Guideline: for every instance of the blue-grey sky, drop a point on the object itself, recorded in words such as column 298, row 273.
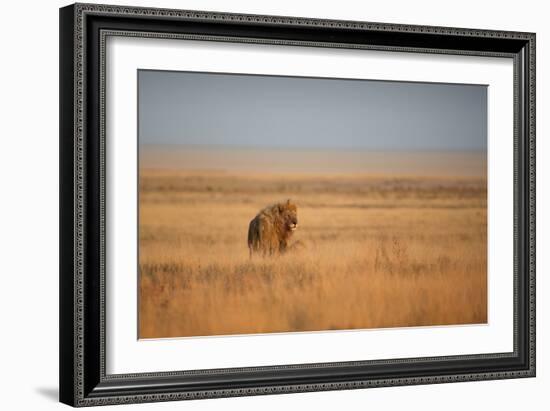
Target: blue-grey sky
column 296, row 112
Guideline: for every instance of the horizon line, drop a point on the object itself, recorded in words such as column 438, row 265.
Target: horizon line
column 313, row 148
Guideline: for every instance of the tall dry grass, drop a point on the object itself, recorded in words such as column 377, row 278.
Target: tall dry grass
column 381, row 251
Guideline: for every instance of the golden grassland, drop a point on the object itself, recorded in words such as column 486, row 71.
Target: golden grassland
column 381, row 251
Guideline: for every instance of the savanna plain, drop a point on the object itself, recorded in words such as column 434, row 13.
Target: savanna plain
column 389, row 240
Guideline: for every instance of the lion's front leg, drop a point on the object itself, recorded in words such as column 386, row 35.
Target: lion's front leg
column 283, row 246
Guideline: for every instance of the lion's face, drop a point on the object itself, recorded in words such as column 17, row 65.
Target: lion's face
column 289, row 214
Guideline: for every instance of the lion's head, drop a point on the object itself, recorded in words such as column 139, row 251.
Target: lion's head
column 289, row 215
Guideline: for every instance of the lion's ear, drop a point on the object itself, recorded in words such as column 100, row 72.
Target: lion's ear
column 281, row 208
column 288, row 201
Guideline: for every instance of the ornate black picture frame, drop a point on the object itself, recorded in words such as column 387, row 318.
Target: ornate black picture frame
column 83, row 30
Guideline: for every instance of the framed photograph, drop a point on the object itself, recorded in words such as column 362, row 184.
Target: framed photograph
column 262, row 204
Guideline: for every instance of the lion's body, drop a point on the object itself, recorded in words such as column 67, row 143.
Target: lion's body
column 270, row 230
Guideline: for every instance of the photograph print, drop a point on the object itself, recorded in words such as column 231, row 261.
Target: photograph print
column 277, row 204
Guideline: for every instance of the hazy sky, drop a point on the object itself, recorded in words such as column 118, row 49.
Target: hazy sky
column 291, row 112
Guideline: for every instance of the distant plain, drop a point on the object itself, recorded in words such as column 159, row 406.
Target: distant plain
column 392, row 239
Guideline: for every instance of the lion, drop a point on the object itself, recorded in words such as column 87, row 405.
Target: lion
column 270, row 230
